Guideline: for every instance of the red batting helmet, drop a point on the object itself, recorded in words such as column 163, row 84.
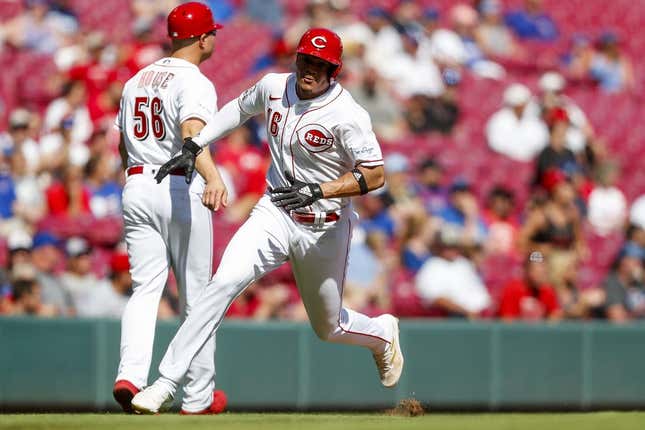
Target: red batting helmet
column 324, row 44
column 191, row 20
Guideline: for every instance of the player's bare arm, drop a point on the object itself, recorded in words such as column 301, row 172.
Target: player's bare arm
column 123, row 153
column 215, row 193
column 224, row 121
column 349, row 184
column 300, row 194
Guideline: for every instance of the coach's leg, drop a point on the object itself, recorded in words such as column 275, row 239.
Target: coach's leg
column 259, row 246
column 319, row 261
column 191, row 249
column 149, row 270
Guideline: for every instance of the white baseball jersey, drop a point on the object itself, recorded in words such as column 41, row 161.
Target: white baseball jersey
column 154, row 104
column 166, row 224
column 317, row 140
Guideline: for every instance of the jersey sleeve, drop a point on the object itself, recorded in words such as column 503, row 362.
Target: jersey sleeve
column 197, row 100
column 360, row 142
column 252, row 100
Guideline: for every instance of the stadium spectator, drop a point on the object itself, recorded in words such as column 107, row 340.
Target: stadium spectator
column 373, row 214
column 105, row 192
column 39, row 28
column 492, row 35
column 624, row 285
column 149, row 11
column 418, row 232
column 580, row 136
column 637, row 212
column 556, row 156
column 428, row 25
column 110, row 296
column 144, row 49
column 607, row 207
column 270, row 12
column 7, row 192
column 318, row 13
column 610, row 67
column 409, row 73
column 246, row 165
column 399, row 189
column 99, row 73
column 385, row 112
column 577, row 60
column 354, row 32
column 46, row 258
column 437, row 113
column 27, row 299
column 385, row 42
column 69, row 197
column 29, row 205
column 19, row 138
column 368, row 273
column 430, row 186
column 449, row 281
column 463, row 213
column 530, row 298
column 78, row 280
column 499, row 218
column 553, row 227
column 71, row 105
column 59, row 147
column 532, row 22
column 19, row 245
column 515, row 130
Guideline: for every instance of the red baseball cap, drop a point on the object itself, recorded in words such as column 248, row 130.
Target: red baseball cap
column 324, row 44
column 191, row 19
column 119, row 262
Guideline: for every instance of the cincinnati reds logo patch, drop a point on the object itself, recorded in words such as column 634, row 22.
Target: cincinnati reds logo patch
column 319, row 42
column 315, row 138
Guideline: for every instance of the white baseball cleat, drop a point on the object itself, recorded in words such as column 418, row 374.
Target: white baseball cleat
column 390, row 362
column 154, row 399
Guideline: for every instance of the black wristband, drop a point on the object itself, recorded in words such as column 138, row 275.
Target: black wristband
column 191, row 146
column 358, row 175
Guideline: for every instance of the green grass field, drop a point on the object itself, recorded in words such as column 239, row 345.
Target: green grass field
column 311, row 421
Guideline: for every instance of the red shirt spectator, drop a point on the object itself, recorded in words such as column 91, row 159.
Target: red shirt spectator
column 245, row 163
column 531, row 298
column 97, row 77
column 69, row 197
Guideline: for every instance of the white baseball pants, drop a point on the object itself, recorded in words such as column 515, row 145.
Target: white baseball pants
column 166, row 225
column 318, row 257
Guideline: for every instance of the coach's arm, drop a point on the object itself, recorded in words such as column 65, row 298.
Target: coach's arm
column 215, row 193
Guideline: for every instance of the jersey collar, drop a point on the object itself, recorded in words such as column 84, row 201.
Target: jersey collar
column 175, row 62
column 322, row 99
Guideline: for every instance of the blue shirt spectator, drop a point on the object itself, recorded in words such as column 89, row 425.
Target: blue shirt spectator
column 7, row 195
column 532, row 22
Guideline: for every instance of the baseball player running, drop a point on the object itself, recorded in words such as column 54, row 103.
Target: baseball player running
column 323, row 151
column 170, row 224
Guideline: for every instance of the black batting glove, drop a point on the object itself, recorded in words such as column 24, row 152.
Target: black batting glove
column 185, row 160
column 296, row 196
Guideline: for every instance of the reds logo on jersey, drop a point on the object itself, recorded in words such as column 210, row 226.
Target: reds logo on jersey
column 315, row 138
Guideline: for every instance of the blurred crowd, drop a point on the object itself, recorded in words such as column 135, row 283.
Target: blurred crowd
column 428, row 244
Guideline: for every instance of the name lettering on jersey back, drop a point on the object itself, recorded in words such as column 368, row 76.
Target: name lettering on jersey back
column 315, row 138
column 155, row 79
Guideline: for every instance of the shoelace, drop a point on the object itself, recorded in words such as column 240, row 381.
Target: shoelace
column 382, row 364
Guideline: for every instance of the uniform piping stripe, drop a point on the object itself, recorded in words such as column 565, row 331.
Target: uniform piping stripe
column 342, row 288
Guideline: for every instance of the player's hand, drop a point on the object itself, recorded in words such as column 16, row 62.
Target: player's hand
column 215, row 193
column 185, row 160
column 298, row 195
